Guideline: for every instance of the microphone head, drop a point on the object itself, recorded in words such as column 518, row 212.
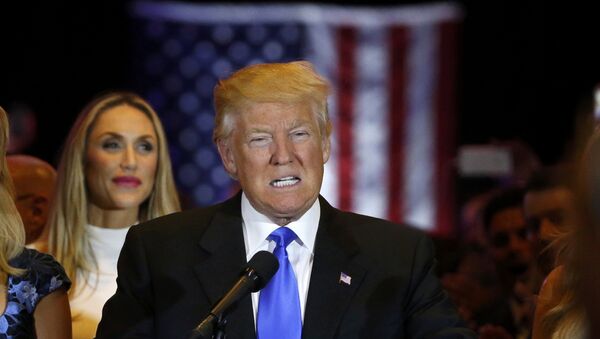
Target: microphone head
column 264, row 265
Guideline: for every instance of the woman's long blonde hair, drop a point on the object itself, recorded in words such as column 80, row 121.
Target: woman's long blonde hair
column 578, row 254
column 12, row 232
column 68, row 238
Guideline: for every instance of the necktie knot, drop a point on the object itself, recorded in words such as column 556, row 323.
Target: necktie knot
column 282, row 236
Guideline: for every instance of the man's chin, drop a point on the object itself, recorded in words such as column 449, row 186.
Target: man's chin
column 283, row 215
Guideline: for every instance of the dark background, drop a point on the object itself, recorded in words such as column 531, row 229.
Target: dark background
column 525, row 69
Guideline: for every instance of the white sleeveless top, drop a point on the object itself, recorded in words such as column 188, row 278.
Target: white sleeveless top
column 88, row 300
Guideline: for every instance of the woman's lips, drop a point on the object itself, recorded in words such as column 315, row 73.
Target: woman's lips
column 130, row 182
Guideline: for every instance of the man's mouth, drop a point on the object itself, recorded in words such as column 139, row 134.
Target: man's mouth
column 285, row 182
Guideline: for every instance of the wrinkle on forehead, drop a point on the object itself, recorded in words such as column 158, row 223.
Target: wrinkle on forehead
column 267, row 128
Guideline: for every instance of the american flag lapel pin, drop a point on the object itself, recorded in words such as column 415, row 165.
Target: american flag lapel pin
column 346, row 279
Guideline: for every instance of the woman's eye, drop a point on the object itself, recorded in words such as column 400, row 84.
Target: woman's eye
column 110, row 145
column 146, row 147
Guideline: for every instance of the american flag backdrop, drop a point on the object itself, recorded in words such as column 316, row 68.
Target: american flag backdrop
column 393, row 73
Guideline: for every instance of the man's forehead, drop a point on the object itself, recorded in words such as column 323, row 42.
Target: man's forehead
column 270, row 115
column 508, row 217
column 259, row 126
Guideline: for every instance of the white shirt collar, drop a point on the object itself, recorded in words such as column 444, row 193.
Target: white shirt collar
column 257, row 226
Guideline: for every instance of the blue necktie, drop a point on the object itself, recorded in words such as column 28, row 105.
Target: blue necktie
column 279, row 314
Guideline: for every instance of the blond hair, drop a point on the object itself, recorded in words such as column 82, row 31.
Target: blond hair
column 68, row 238
column 12, row 232
column 288, row 83
column 577, row 253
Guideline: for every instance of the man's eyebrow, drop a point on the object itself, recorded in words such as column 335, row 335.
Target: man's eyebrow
column 258, row 130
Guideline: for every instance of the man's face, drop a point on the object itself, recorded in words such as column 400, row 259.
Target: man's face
column 33, row 208
column 510, row 248
column 34, row 185
column 548, row 211
column 277, row 153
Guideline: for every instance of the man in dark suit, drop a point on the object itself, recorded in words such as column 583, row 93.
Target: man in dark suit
column 356, row 276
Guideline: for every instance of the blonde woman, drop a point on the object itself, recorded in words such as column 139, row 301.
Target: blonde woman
column 567, row 306
column 33, row 286
column 114, row 172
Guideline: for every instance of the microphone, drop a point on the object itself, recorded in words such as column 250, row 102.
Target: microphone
column 259, row 270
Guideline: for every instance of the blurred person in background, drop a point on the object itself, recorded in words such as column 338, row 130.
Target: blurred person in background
column 114, row 172
column 474, row 287
column 492, row 283
column 548, row 207
column 511, row 250
column 33, row 286
column 34, row 181
column 485, row 169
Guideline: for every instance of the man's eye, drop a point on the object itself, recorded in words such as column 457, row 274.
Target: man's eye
column 259, row 141
column 300, row 135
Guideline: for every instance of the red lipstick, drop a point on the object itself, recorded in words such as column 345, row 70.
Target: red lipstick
column 127, row 181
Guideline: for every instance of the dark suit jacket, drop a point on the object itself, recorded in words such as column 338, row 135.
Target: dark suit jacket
column 174, row 268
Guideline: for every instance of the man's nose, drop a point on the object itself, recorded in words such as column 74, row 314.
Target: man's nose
column 516, row 242
column 282, row 151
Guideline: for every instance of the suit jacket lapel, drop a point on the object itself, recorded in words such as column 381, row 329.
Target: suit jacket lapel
column 336, row 253
column 223, row 243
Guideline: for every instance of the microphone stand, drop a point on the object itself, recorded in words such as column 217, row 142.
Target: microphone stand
column 206, row 329
column 212, row 327
column 260, row 269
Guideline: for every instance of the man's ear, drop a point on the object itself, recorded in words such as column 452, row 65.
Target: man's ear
column 326, row 145
column 227, row 157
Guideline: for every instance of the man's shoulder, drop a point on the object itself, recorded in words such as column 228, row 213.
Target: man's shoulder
column 369, row 228
column 385, row 246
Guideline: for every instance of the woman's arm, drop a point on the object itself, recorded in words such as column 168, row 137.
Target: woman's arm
column 52, row 316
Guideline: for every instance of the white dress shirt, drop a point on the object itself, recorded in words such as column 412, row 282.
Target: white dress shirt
column 257, row 228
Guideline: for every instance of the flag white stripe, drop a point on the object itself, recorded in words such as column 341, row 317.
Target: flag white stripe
column 322, row 53
column 370, row 117
column 419, row 194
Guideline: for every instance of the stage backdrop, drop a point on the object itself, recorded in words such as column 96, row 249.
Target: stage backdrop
column 393, row 71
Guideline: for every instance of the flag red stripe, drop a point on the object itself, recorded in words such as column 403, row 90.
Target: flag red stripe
column 346, row 41
column 398, row 45
column 445, row 106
